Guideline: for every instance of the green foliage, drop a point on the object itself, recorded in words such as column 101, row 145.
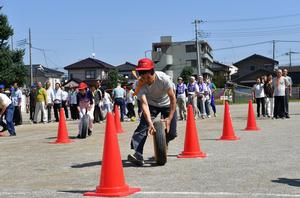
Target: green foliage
column 219, row 79
column 113, row 78
column 186, row 73
column 11, row 61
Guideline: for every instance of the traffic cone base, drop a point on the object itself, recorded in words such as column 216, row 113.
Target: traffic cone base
column 192, row 155
column 62, row 132
column 191, row 145
column 251, row 129
column 229, row 138
column 113, row 192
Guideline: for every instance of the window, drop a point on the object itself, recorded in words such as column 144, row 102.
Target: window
column 191, row 63
column 190, row 48
column 90, row 74
column 252, row 68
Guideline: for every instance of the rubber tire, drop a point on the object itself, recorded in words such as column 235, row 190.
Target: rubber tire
column 160, row 147
column 85, row 124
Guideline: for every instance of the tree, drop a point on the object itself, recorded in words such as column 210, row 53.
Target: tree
column 186, row 73
column 11, row 61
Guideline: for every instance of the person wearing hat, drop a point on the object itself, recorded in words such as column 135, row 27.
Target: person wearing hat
column 156, row 96
column 7, row 109
column 181, row 92
column 85, row 104
column 192, row 92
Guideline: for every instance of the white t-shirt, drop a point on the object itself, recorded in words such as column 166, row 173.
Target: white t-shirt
column 16, row 96
column 106, row 99
column 156, row 93
column 50, row 95
column 130, row 97
column 4, row 100
column 259, row 90
column 279, row 86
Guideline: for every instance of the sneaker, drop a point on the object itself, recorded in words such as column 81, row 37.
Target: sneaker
column 89, row 132
column 78, row 136
column 137, row 159
column 208, row 116
column 215, row 114
column 287, row 116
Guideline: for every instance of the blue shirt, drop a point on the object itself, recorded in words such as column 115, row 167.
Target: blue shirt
column 118, row 92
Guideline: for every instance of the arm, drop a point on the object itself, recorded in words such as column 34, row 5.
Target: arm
column 3, row 110
column 146, row 114
column 172, row 103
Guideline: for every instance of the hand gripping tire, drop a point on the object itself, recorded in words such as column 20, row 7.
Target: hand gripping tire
column 84, row 125
column 160, row 146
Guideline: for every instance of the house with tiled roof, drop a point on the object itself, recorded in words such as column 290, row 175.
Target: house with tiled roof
column 253, row 67
column 126, row 70
column 89, row 70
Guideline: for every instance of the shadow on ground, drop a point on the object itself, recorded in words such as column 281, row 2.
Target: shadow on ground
column 290, row 182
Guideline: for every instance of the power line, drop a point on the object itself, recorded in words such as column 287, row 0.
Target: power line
column 240, row 46
column 255, row 19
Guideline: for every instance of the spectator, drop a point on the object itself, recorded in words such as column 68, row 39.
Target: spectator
column 201, row 97
column 130, row 101
column 181, row 93
column 259, row 97
column 279, row 83
column 73, row 103
column 107, row 101
column 269, row 92
column 57, row 100
column 50, row 97
column 212, row 88
column 16, row 97
column 97, row 98
column 64, row 103
column 193, row 90
column 31, row 101
column 41, row 100
column 118, row 95
column 288, row 92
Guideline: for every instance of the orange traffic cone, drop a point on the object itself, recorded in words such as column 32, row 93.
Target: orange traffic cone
column 62, row 132
column 228, row 131
column 119, row 128
column 191, row 144
column 112, row 183
column 251, row 123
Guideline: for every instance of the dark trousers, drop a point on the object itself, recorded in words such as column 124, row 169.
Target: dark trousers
column 64, row 105
column 31, row 112
column 97, row 114
column 120, row 102
column 9, row 114
column 207, row 110
column 212, row 104
column 262, row 102
column 56, row 108
column 130, row 108
column 140, row 134
column 279, row 107
column 74, row 112
column 49, row 108
column 17, row 116
column 286, row 104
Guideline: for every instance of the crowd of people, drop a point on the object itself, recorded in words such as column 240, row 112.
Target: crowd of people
column 271, row 95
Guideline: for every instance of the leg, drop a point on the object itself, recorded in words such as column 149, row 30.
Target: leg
column 44, row 112
column 263, row 105
column 9, row 120
column 37, row 110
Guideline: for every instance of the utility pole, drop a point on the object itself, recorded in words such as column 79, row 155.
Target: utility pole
column 30, row 62
column 290, row 57
column 273, row 49
column 12, row 42
column 196, row 22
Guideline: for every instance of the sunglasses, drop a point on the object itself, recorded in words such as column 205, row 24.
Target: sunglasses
column 142, row 72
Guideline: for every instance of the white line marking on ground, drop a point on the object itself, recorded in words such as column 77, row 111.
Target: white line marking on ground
column 223, row 194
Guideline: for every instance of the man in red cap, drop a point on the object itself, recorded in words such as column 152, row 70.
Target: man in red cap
column 156, row 96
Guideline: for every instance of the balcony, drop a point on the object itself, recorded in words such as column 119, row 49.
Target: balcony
column 156, row 56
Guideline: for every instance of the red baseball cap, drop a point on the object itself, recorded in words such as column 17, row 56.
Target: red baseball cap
column 145, row 64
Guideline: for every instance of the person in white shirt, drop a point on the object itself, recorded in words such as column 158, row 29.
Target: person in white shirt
column 107, row 102
column 259, row 97
column 130, row 101
column 7, row 109
column 201, row 97
column 73, row 103
column 16, row 97
column 50, row 96
column 57, row 100
column 64, row 103
column 279, row 85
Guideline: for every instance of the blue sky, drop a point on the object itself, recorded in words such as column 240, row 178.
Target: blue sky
column 124, row 30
